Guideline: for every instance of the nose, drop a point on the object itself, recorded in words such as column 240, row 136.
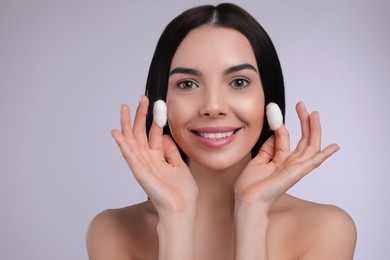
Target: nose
column 214, row 103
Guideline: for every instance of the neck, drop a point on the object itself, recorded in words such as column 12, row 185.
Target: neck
column 216, row 186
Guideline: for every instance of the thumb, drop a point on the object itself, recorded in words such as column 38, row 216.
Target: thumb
column 171, row 152
column 267, row 151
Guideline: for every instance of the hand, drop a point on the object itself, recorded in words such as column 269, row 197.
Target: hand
column 275, row 169
column 156, row 164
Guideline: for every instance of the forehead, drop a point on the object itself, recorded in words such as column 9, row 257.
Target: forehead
column 214, row 45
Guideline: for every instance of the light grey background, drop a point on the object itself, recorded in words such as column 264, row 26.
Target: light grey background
column 66, row 66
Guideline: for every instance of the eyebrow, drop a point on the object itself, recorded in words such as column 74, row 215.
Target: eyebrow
column 236, row 68
column 183, row 70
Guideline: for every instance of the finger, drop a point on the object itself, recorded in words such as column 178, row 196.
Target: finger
column 315, row 130
column 139, row 129
column 319, row 158
column 267, row 151
column 123, row 144
column 289, row 176
column 282, row 140
column 171, row 152
column 296, row 172
column 125, row 122
column 305, row 126
column 131, row 155
column 314, row 145
column 156, row 137
column 159, row 121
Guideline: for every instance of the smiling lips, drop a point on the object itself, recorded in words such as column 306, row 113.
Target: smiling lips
column 215, row 137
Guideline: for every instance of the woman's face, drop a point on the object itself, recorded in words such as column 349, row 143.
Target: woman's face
column 215, row 98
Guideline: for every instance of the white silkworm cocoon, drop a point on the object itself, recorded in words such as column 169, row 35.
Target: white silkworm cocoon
column 274, row 116
column 160, row 113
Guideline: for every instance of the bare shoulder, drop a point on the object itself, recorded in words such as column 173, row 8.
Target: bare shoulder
column 322, row 231
column 122, row 233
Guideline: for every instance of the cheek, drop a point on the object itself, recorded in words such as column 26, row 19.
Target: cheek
column 179, row 113
column 251, row 111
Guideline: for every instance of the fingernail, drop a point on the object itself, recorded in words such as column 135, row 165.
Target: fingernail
column 112, row 133
column 140, row 98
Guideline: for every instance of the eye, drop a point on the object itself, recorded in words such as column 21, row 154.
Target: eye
column 240, row 82
column 186, row 84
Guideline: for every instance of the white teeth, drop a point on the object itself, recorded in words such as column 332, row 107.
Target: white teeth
column 215, row 135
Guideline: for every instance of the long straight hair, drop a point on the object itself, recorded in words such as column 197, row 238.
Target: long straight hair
column 223, row 15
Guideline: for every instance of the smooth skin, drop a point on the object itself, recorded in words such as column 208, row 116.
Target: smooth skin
column 221, row 204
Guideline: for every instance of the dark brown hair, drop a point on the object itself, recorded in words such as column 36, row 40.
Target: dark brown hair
column 222, row 15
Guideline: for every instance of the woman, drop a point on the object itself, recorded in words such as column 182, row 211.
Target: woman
column 216, row 175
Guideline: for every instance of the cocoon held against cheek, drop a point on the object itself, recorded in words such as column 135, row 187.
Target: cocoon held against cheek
column 160, row 113
column 274, row 116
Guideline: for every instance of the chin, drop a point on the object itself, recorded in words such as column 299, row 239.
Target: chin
column 221, row 163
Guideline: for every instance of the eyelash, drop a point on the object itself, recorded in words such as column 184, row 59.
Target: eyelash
column 247, row 83
column 179, row 84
